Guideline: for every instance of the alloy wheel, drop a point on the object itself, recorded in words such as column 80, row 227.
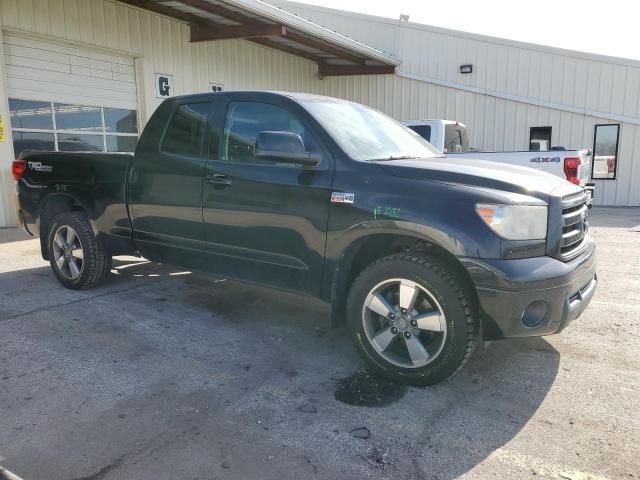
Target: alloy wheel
column 67, row 252
column 404, row 323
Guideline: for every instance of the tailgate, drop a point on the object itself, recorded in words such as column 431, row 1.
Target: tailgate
column 584, row 173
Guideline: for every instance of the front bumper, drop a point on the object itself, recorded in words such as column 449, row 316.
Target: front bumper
column 533, row 296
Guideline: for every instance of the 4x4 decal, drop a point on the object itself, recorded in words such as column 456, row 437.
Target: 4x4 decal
column 545, row 160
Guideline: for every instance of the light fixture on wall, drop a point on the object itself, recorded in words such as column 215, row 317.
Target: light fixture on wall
column 404, row 17
column 468, row 68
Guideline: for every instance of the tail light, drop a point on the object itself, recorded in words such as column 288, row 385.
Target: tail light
column 611, row 165
column 571, row 166
column 17, row 169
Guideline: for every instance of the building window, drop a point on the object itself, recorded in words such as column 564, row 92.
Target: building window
column 539, row 139
column 66, row 127
column 605, row 152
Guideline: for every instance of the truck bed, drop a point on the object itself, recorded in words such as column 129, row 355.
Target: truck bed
column 551, row 161
column 99, row 184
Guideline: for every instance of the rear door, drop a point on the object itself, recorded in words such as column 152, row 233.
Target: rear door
column 265, row 221
column 165, row 184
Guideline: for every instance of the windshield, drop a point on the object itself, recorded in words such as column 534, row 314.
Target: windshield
column 366, row 134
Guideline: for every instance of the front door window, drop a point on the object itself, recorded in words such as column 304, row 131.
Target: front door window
column 246, row 119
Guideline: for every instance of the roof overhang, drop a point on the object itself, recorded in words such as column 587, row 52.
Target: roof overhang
column 264, row 24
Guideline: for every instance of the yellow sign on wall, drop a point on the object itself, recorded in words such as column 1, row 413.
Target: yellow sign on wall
column 1, row 128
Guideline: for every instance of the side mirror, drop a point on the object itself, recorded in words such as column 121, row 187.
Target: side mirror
column 283, row 147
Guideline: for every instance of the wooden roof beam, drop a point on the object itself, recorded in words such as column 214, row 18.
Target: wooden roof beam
column 325, row 47
column 218, row 10
column 329, row 69
column 253, row 30
column 167, row 11
column 203, row 29
column 285, row 48
column 294, row 36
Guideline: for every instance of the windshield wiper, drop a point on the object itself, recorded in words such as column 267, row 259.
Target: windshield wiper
column 398, row 157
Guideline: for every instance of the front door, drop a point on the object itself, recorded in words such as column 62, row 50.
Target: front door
column 265, row 221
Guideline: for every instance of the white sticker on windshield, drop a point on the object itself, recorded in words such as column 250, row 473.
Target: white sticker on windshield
column 342, row 197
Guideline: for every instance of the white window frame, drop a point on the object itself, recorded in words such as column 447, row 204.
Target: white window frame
column 55, row 131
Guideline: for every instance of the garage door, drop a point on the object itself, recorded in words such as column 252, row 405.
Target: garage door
column 69, row 98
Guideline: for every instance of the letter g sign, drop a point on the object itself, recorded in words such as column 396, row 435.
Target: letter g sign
column 164, row 85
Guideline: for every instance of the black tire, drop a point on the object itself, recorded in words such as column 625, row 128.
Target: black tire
column 95, row 264
column 457, row 304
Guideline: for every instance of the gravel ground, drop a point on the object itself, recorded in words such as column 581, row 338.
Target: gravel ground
column 160, row 374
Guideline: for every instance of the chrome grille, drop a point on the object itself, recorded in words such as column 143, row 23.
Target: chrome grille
column 575, row 225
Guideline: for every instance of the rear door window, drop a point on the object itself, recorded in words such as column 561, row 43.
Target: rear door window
column 185, row 131
column 423, row 130
column 539, row 139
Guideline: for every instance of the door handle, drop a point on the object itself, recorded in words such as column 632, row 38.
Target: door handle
column 217, row 179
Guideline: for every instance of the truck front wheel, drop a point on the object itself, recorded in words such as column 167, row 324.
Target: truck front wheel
column 76, row 258
column 411, row 319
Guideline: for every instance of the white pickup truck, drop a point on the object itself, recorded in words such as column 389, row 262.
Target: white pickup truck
column 452, row 139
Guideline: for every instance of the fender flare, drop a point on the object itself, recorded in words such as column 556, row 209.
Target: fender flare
column 65, row 198
column 344, row 249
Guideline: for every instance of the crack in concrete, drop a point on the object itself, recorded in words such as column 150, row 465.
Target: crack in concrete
column 104, row 470
column 79, row 300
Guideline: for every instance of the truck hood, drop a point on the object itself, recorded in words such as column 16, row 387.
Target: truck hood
column 483, row 174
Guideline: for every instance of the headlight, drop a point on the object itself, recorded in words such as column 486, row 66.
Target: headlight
column 515, row 222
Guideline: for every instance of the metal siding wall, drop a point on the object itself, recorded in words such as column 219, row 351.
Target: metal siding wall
column 532, row 74
column 160, row 45
column 579, row 80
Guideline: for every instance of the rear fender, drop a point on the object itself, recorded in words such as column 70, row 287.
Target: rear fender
column 109, row 220
column 54, row 202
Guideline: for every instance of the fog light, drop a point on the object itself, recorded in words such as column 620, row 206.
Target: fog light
column 534, row 314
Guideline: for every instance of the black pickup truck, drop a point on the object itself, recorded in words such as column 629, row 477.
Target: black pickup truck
column 421, row 256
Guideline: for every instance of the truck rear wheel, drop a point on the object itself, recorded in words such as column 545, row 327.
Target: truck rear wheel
column 411, row 319
column 76, row 258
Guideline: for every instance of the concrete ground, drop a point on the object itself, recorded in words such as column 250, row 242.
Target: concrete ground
column 161, row 374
